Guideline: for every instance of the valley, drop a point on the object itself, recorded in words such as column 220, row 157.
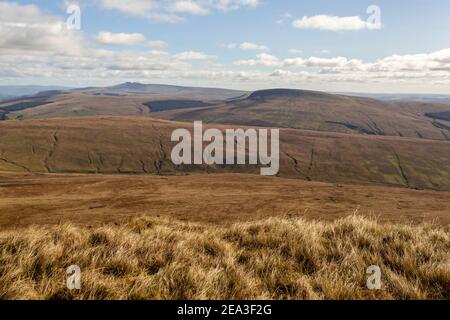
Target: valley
column 102, row 155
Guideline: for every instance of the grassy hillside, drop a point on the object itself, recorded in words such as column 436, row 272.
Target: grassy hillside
column 269, row 259
column 324, row 112
column 139, row 145
column 142, row 146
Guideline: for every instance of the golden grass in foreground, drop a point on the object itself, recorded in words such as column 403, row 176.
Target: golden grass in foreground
column 151, row 258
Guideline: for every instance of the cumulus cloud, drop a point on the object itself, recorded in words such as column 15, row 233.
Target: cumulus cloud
column 173, row 10
column 246, row 46
column 252, row 46
column 262, row 59
column 120, row 38
column 334, row 23
column 429, row 67
column 35, row 45
column 317, row 62
column 132, row 7
column 188, row 7
column 149, row 9
column 439, row 60
column 26, row 27
column 193, row 55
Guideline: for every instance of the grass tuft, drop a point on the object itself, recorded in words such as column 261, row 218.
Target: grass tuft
column 157, row 258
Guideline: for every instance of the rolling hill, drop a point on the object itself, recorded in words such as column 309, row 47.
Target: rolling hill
column 141, row 145
column 297, row 109
column 320, row 111
column 132, row 99
column 135, row 88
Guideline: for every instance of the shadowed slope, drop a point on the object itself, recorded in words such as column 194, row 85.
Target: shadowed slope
column 323, row 112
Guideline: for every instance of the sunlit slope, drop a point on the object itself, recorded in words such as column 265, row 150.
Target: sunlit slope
column 139, row 145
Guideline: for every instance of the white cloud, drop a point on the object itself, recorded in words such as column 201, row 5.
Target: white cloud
column 435, row 61
column 133, row 7
column 316, row 62
column 120, row 38
column 247, row 46
column 262, row 59
column 159, row 44
column 227, row 5
column 26, row 27
column 193, row 55
column 149, row 9
column 35, row 47
column 334, row 23
column 404, row 64
column 406, row 68
column 188, row 6
column 172, row 10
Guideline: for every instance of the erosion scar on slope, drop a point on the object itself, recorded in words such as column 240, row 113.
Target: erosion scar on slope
column 51, row 151
column 6, row 160
column 311, row 164
column 144, row 169
column 402, row 171
column 295, row 162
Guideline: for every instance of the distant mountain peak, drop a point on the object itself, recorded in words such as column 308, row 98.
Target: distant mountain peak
column 130, row 86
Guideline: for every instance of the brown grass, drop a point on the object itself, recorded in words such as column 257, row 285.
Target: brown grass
column 92, row 200
column 139, row 145
column 156, row 258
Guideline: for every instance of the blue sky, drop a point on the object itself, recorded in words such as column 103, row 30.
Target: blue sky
column 248, row 44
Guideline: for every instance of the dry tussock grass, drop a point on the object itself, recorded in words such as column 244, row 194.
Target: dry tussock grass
column 154, row 258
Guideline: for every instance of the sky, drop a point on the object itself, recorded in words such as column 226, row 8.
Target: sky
column 377, row 46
